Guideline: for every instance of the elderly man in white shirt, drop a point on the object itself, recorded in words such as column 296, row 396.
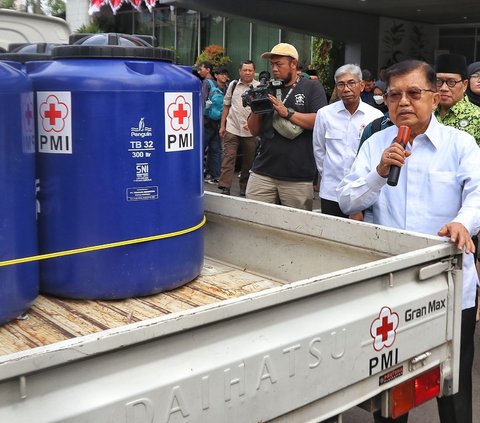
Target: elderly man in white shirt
column 438, row 193
column 336, row 134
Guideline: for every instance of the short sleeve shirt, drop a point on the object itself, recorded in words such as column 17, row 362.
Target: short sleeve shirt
column 463, row 115
column 237, row 115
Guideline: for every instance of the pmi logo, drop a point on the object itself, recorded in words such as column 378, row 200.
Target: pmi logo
column 384, row 329
column 54, row 122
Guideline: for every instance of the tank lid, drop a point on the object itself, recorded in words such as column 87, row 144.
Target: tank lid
column 26, row 52
column 113, row 46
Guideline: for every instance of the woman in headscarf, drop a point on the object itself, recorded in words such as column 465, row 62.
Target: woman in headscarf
column 473, row 89
column 379, row 90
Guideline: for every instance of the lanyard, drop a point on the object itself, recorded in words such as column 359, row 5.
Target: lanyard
column 290, row 91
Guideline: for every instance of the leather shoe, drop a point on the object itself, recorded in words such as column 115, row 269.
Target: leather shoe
column 225, row 190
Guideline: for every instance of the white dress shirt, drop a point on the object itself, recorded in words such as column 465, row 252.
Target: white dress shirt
column 439, row 183
column 336, row 136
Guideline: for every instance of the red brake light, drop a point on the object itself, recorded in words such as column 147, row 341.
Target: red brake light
column 415, row 391
column 427, row 386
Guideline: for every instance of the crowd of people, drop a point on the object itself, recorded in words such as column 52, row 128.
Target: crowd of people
column 350, row 148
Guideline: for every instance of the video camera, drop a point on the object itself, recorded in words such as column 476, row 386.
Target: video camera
column 257, row 97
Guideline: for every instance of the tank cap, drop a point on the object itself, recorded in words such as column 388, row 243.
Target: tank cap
column 27, row 52
column 113, row 45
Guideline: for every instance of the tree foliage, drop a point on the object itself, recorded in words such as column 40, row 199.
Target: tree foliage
column 56, row 8
column 322, row 60
column 215, row 54
column 7, row 4
column 392, row 39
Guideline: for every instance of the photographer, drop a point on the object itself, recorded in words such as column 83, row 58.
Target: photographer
column 284, row 168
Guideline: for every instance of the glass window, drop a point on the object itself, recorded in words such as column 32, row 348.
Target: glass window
column 212, row 30
column 458, row 40
column 462, row 31
column 459, row 45
column 187, row 30
column 302, row 43
column 264, row 38
column 165, row 27
column 129, row 21
column 237, row 42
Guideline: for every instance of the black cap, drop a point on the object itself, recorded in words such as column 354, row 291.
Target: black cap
column 452, row 63
column 220, row 70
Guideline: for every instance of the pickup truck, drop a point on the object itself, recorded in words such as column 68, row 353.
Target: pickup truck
column 295, row 317
column 20, row 27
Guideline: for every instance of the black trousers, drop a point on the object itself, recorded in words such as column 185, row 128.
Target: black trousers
column 331, row 208
column 455, row 408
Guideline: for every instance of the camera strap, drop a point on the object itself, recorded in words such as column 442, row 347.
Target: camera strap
column 290, row 91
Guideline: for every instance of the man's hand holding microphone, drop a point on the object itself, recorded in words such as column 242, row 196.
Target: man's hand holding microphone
column 393, row 158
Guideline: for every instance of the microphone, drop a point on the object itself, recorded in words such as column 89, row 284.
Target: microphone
column 264, row 77
column 402, row 138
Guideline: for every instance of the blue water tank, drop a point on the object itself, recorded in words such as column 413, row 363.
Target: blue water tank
column 18, row 282
column 119, row 158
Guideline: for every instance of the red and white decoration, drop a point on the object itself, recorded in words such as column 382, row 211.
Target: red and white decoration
column 95, row 5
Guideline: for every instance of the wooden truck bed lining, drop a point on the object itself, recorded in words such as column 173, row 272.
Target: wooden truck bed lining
column 53, row 319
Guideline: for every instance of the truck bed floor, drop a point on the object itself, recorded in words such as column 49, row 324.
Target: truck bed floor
column 53, row 319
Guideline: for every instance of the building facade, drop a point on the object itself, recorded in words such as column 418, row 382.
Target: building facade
column 373, row 42
column 188, row 32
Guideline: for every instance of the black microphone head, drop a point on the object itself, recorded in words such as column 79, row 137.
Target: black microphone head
column 264, row 77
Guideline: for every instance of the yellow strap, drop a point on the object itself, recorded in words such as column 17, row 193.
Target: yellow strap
column 102, row 246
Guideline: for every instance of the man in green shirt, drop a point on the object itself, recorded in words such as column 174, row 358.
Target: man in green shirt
column 454, row 108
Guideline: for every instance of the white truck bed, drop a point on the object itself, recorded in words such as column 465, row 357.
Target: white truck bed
column 276, row 328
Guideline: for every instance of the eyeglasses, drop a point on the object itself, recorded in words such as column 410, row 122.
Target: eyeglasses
column 450, row 82
column 411, row 94
column 280, row 63
column 475, row 76
column 350, row 84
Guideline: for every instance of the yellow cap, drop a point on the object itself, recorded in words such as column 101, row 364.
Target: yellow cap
column 282, row 49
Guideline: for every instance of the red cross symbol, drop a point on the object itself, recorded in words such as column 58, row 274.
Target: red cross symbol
column 180, row 114
column 386, row 327
column 29, row 113
column 52, row 114
column 383, row 329
column 179, row 111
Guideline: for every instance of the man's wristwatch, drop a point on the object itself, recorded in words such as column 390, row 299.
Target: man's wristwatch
column 290, row 113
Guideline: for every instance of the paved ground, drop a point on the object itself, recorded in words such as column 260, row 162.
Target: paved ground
column 426, row 413
column 235, row 190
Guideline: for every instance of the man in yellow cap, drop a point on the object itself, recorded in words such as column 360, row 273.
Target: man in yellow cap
column 284, row 168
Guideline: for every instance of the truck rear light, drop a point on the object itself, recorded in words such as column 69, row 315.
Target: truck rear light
column 415, row 391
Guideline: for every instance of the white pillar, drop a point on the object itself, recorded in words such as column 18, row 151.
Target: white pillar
column 77, row 13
